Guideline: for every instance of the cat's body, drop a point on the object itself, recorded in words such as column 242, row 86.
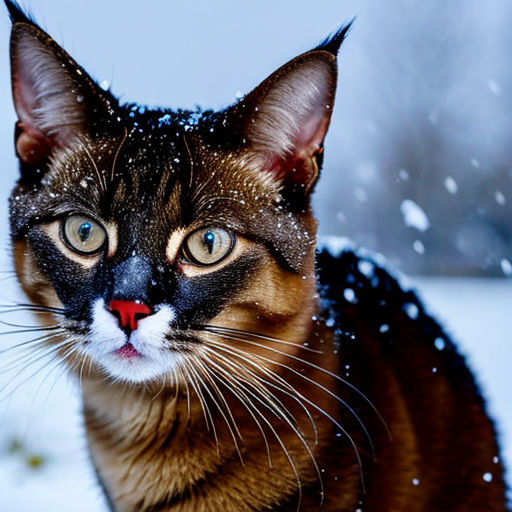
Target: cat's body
column 174, row 252
column 435, row 457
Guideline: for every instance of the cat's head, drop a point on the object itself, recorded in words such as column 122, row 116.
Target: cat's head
column 143, row 228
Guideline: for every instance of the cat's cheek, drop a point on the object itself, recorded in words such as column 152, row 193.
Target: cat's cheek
column 35, row 284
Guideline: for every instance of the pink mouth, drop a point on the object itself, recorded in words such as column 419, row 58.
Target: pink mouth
column 127, row 351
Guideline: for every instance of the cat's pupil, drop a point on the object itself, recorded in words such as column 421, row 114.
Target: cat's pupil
column 84, row 231
column 209, row 240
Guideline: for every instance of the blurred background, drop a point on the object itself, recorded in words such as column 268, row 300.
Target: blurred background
column 418, row 166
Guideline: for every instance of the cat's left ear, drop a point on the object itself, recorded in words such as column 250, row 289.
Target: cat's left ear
column 55, row 99
column 285, row 119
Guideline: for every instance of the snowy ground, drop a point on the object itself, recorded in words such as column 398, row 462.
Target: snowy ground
column 43, row 461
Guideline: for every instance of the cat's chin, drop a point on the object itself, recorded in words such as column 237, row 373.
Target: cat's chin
column 141, row 357
column 138, row 369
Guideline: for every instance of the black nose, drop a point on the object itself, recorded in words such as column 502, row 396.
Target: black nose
column 131, row 281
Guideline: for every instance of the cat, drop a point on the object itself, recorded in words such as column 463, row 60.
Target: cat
column 224, row 363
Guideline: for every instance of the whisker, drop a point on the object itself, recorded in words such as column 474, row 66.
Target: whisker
column 277, row 437
column 187, row 390
column 32, row 307
column 187, row 377
column 228, row 330
column 191, row 160
column 311, row 365
column 177, row 385
column 270, row 401
column 28, row 342
column 22, row 359
column 9, row 324
column 233, row 388
column 164, row 380
column 117, row 154
column 220, row 409
column 278, row 408
column 8, row 277
column 292, row 392
column 197, row 388
column 41, row 346
column 62, row 371
column 75, row 354
column 32, row 375
column 101, row 179
column 210, row 376
column 333, row 395
column 199, row 190
column 35, row 329
column 330, row 418
column 82, row 366
column 260, row 383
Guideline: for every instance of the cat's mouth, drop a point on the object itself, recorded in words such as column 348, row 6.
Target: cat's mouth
column 137, row 356
column 128, row 351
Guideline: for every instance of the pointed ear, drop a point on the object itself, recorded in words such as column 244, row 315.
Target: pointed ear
column 285, row 119
column 54, row 97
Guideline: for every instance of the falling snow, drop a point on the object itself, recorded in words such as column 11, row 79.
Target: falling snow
column 494, row 87
column 418, row 246
column 474, row 162
column 451, row 185
column 499, row 197
column 361, row 195
column 414, row 216
column 403, row 175
column 506, row 267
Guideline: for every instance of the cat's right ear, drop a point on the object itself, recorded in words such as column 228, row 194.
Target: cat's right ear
column 54, row 98
column 284, row 120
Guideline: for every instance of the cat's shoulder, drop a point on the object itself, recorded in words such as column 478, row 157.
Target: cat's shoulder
column 352, row 275
column 363, row 299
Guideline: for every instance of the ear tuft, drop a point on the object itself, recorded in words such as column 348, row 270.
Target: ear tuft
column 333, row 42
column 18, row 15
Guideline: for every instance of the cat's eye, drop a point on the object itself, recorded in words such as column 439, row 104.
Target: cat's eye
column 83, row 234
column 208, row 246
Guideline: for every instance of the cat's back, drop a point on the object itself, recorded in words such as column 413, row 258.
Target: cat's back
column 440, row 452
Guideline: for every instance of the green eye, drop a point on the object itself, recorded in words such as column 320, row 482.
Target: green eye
column 83, row 234
column 208, row 246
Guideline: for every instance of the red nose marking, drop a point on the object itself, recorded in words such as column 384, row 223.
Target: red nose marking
column 128, row 312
